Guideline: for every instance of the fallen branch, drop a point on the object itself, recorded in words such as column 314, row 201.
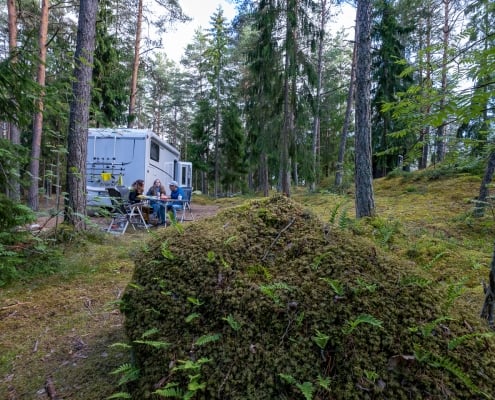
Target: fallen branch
column 278, row 237
column 13, row 305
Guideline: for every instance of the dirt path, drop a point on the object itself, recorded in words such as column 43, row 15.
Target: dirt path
column 48, row 219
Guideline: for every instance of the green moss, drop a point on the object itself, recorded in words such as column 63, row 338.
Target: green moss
column 267, row 264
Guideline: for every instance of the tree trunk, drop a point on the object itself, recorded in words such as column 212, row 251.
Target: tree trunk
column 339, row 175
column 34, row 167
column 479, row 210
column 14, row 187
column 131, row 123
column 441, row 131
column 489, row 304
column 75, row 209
column 316, row 120
column 365, row 203
column 424, row 137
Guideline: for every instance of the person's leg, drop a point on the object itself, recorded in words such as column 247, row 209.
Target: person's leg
column 171, row 209
column 163, row 217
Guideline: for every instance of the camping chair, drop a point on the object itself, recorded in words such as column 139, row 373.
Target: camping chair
column 124, row 213
column 186, row 205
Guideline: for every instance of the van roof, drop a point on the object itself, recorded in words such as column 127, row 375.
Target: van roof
column 130, row 133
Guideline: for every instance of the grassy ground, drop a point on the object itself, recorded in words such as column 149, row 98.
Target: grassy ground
column 59, row 329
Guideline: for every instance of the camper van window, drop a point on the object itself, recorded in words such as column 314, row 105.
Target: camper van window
column 155, row 151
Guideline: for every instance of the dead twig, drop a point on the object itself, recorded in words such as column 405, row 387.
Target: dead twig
column 278, row 237
column 13, row 305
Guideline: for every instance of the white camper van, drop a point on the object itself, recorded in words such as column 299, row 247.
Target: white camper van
column 118, row 157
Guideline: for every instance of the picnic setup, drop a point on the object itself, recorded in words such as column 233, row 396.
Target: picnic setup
column 140, row 215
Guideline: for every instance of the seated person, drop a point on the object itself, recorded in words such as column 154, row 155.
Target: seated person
column 176, row 193
column 159, row 191
column 137, row 189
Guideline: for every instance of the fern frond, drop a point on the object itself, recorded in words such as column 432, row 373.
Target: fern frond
column 306, row 389
column 171, row 390
column 288, row 378
column 335, row 285
column 361, row 319
column 149, row 332
column 232, row 322
column 191, row 317
column 207, row 339
column 153, row 343
column 457, row 341
column 428, row 328
column 120, row 395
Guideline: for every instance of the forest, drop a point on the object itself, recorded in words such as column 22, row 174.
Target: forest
column 276, row 101
column 266, row 100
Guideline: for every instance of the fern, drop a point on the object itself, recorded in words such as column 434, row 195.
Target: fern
column 120, row 395
column 230, row 240
column 412, row 280
column 320, row 339
column 361, row 319
column 166, row 252
column 306, row 388
column 434, row 260
column 207, row 339
column 457, row 341
column 149, row 332
column 335, row 285
column 334, row 212
column 370, row 287
column 124, row 346
column 129, row 373
column 288, row 378
column 232, row 322
column 344, row 220
column 428, row 328
column 191, row 317
column 153, row 343
column 270, row 290
column 195, row 301
column 170, row 390
column 454, row 291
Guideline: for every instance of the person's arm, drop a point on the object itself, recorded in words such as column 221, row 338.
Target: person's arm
column 133, row 196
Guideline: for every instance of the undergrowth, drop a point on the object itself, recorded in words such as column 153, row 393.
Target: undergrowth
column 67, row 313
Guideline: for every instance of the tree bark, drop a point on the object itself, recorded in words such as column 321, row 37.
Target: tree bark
column 479, row 210
column 316, row 119
column 339, row 174
column 489, row 304
column 131, row 123
column 14, row 187
column 75, row 209
column 34, row 167
column 442, row 129
column 365, row 203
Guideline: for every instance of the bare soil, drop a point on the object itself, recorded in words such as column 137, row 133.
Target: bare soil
column 48, row 219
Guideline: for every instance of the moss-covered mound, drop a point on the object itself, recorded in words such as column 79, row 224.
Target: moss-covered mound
column 265, row 302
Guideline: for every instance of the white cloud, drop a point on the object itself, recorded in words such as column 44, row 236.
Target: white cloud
column 200, row 11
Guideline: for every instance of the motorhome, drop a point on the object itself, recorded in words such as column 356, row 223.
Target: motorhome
column 118, row 157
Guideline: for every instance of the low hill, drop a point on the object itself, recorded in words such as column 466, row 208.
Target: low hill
column 268, row 301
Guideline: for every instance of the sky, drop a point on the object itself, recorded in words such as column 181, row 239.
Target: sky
column 175, row 41
column 182, row 34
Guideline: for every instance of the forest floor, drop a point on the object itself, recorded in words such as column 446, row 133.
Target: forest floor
column 62, row 334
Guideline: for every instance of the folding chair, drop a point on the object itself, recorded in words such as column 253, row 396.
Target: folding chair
column 186, row 205
column 124, row 213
